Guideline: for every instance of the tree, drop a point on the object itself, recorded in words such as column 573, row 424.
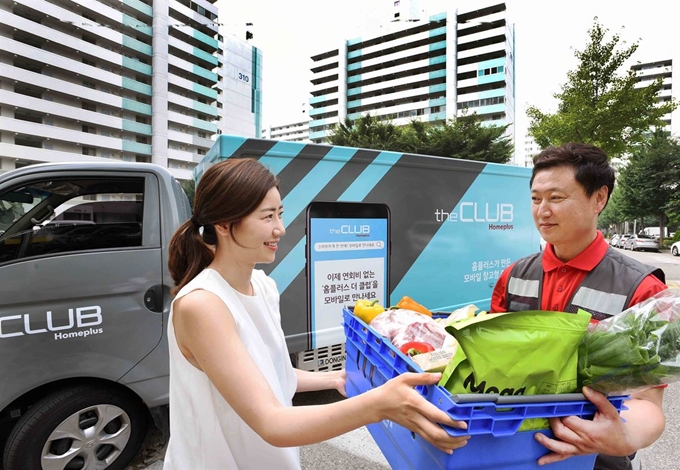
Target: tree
column 645, row 183
column 612, row 213
column 367, row 132
column 463, row 137
column 189, row 187
column 466, row 137
column 599, row 107
column 672, row 183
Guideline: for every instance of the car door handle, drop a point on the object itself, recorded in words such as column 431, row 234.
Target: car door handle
column 153, row 298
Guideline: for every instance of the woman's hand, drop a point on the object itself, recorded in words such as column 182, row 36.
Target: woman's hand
column 340, row 380
column 401, row 403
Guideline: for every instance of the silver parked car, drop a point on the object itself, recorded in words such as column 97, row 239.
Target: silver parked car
column 614, row 240
column 641, row 242
column 622, row 240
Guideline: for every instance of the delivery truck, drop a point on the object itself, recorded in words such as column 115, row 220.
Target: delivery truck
column 85, row 287
column 453, row 226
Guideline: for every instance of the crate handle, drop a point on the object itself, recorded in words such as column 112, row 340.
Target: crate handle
column 515, row 399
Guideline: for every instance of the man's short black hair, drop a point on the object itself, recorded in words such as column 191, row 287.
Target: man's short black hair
column 590, row 163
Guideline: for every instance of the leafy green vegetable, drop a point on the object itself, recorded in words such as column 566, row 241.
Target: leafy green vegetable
column 636, row 349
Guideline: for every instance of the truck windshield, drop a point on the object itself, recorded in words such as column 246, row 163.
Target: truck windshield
column 17, row 202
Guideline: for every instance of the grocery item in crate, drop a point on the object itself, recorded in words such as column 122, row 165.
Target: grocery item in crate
column 493, row 421
column 408, row 303
column 437, row 360
column 517, row 353
column 401, row 326
column 634, row 350
column 367, row 309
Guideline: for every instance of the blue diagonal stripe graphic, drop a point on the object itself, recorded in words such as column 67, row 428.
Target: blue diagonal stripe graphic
column 297, row 199
column 290, row 266
column 368, row 178
column 280, row 155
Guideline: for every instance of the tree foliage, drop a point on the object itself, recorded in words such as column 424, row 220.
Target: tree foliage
column 599, row 106
column 613, row 213
column 189, row 187
column 463, row 137
column 649, row 183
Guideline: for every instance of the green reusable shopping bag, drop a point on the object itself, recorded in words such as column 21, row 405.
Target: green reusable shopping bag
column 517, row 353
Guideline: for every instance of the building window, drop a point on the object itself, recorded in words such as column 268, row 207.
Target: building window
column 91, row 151
column 490, row 71
column 482, row 102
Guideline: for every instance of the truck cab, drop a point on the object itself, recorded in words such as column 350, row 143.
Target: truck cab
column 85, row 300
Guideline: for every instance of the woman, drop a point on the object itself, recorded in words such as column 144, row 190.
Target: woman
column 231, row 380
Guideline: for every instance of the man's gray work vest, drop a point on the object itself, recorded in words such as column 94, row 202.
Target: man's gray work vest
column 606, row 290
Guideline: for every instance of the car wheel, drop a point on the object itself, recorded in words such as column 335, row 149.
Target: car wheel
column 82, row 427
column 674, row 250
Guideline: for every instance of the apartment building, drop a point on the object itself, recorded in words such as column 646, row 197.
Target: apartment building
column 530, row 149
column 292, row 132
column 240, row 88
column 650, row 71
column 79, row 80
column 295, row 130
column 431, row 67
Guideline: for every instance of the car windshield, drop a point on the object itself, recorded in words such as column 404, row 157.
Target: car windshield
column 646, row 236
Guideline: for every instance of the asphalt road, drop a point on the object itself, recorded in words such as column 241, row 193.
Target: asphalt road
column 357, row 450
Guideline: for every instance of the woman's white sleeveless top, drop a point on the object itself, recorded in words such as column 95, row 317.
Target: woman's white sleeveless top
column 205, row 432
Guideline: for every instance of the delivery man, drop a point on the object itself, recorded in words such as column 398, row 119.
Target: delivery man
column 570, row 186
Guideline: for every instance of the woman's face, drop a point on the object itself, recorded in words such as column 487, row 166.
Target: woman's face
column 260, row 231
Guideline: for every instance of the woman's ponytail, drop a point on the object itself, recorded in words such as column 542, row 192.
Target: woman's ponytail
column 188, row 254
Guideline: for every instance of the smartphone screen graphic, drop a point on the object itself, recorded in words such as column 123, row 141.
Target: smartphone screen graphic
column 347, row 260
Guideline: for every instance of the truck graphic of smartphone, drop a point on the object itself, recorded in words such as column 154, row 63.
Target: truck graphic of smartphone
column 348, row 249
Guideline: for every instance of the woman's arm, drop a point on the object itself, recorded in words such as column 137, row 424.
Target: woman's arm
column 314, row 381
column 207, row 335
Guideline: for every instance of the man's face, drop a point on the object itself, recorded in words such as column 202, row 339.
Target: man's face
column 563, row 214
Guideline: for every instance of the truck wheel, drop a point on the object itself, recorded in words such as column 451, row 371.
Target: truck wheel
column 84, row 427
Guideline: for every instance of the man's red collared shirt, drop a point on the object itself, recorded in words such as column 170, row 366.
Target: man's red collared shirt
column 561, row 280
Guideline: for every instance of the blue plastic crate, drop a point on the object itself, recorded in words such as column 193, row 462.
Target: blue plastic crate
column 496, row 442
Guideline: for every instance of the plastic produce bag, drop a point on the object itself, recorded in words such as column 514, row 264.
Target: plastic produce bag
column 634, row 350
column 401, row 326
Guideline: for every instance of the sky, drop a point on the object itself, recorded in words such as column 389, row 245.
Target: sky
column 546, row 34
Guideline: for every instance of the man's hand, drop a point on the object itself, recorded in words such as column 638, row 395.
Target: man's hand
column 605, row 434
